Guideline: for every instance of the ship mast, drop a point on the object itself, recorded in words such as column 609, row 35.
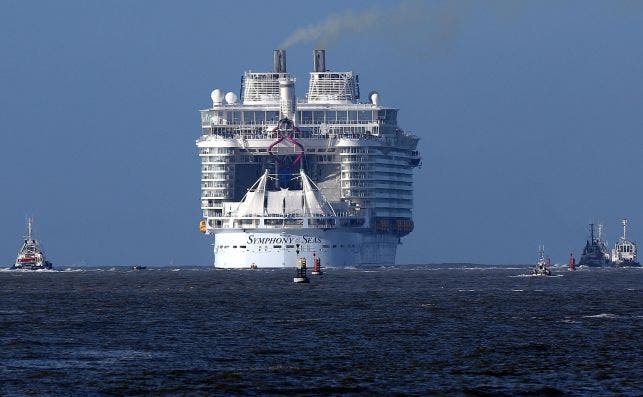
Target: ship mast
column 29, row 222
column 624, row 221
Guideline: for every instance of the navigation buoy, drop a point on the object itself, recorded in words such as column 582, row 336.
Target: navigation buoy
column 300, row 276
column 316, row 266
column 572, row 262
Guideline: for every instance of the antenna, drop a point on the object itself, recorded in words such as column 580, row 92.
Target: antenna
column 29, row 222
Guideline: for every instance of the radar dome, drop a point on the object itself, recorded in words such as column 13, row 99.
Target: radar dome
column 374, row 96
column 231, row 98
column 217, row 96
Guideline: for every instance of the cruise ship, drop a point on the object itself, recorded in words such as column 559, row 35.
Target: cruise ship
column 328, row 176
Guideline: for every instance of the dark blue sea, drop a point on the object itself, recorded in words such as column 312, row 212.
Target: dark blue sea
column 414, row 330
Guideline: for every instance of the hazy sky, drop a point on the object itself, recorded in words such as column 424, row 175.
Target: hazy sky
column 530, row 115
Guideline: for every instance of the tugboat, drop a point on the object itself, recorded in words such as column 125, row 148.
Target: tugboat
column 30, row 256
column 543, row 264
column 624, row 251
column 595, row 253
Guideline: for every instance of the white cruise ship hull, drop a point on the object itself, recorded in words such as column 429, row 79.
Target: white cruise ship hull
column 276, row 249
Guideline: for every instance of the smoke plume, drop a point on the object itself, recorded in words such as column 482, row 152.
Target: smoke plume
column 411, row 25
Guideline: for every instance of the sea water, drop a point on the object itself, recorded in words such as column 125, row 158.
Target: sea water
column 423, row 330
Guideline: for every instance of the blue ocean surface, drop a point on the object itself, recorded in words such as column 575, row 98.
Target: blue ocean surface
column 408, row 330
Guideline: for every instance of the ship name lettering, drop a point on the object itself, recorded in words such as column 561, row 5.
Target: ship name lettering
column 311, row 239
column 252, row 239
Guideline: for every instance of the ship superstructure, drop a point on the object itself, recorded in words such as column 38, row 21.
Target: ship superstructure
column 283, row 177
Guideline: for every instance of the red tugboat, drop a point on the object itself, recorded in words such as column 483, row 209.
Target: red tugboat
column 30, row 256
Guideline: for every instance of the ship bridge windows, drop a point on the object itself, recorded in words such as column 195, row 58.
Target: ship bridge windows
column 337, row 116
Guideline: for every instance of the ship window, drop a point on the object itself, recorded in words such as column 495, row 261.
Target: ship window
column 389, row 116
column 365, row 115
column 331, row 116
column 290, row 246
column 242, row 246
column 234, row 246
column 236, row 117
column 341, row 117
column 248, row 117
column 260, row 117
column 352, row 116
column 325, row 246
column 334, row 246
column 306, row 117
column 318, row 117
column 276, row 246
column 272, row 116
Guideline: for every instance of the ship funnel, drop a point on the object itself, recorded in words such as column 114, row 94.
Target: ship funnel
column 319, row 60
column 279, row 61
column 287, row 101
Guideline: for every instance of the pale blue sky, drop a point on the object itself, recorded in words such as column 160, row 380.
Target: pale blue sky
column 530, row 113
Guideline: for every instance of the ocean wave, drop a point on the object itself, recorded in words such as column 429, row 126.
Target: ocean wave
column 602, row 315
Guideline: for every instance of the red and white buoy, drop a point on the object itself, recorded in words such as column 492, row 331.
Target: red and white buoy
column 572, row 262
column 316, row 266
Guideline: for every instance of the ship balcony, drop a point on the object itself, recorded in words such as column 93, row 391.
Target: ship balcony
column 215, row 194
column 374, row 167
column 366, row 159
column 398, row 181
column 216, row 159
column 208, row 178
column 375, row 185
